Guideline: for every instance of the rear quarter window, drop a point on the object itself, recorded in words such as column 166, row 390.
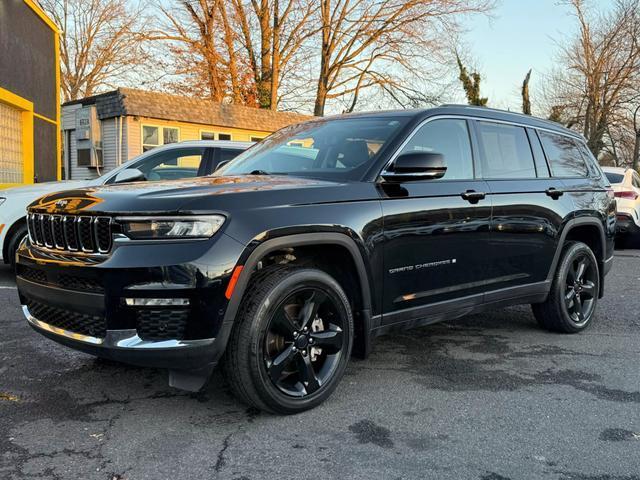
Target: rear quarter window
column 614, row 177
column 506, row 152
column 563, row 155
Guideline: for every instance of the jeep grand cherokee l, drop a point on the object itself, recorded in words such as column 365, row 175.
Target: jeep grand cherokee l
column 325, row 235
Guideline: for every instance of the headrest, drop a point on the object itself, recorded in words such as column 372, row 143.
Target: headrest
column 354, row 153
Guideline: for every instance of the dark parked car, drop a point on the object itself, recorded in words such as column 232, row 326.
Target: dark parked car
column 325, row 235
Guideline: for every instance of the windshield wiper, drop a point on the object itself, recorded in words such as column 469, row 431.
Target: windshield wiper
column 259, row 172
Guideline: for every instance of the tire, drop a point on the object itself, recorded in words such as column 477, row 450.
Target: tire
column 573, row 297
column 14, row 242
column 271, row 362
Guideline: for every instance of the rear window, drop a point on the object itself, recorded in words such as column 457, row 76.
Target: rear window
column 563, row 155
column 506, row 152
column 614, row 177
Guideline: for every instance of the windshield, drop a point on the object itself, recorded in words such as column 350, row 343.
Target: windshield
column 340, row 149
column 614, row 177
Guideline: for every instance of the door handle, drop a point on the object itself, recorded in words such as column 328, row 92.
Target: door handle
column 554, row 193
column 472, row 196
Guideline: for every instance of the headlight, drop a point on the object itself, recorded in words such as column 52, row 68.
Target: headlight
column 145, row 228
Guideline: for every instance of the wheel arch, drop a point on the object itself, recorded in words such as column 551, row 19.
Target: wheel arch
column 20, row 222
column 362, row 315
column 588, row 230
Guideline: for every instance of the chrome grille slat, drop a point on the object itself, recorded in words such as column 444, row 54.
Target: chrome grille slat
column 40, row 222
column 58, row 234
column 70, row 233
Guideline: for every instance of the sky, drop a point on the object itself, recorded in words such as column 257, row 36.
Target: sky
column 521, row 34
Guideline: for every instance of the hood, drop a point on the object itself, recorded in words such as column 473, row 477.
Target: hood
column 38, row 189
column 188, row 195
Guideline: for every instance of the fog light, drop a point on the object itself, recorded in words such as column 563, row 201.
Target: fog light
column 157, row 302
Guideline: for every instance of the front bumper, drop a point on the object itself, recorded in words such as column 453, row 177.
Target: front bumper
column 127, row 347
column 81, row 302
column 625, row 224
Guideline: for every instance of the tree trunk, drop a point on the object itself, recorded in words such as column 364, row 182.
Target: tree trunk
column 636, row 153
column 264, row 85
column 325, row 59
column 321, row 97
column 275, row 57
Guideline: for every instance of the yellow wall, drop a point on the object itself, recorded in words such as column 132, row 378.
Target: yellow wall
column 187, row 131
column 27, row 107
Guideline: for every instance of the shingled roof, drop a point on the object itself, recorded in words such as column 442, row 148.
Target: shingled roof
column 142, row 103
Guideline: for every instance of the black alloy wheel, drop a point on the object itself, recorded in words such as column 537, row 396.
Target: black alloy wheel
column 581, row 282
column 573, row 297
column 291, row 340
column 304, row 342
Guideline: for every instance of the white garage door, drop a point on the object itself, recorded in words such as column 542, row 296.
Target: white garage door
column 11, row 159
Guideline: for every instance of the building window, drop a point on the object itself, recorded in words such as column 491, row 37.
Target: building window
column 151, row 136
column 256, row 139
column 204, row 135
column 169, row 135
column 11, row 155
column 224, row 136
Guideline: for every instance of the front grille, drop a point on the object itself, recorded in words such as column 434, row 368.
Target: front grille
column 32, row 274
column 72, row 282
column 62, row 280
column 71, row 233
column 162, row 324
column 71, row 321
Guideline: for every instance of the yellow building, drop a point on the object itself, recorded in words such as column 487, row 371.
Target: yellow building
column 29, row 94
column 105, row 130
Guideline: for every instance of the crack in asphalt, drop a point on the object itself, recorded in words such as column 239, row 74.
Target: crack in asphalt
column 221, row 462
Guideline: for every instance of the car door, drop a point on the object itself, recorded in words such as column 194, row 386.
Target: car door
column 528, row 207
column 436, row 232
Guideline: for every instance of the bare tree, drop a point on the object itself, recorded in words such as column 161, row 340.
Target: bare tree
column 235, row 50
column 192, row 29
column 526, row 100
column 602, row 62
column 366, row 43
column 471, row 85
column 283, row 27
column 101, row 43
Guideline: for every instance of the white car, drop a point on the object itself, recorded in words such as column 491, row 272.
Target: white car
column 626, row 188
column 169, row 162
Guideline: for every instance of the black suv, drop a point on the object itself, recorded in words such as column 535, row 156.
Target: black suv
column 304, row 248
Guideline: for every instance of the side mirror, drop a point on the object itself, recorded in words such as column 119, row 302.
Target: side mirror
column 129, row 175
column 414, row 166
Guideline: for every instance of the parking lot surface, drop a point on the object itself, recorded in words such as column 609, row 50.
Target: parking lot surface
column 488, row 397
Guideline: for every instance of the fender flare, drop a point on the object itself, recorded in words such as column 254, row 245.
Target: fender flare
column 299, row 240
column 571, row 224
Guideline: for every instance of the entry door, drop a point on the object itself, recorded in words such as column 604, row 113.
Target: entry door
column 529, row 206
column 436, row 232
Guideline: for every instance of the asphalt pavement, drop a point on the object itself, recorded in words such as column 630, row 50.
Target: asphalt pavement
column 489, row 397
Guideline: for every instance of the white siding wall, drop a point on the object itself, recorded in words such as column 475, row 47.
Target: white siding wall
column 133, row 143
column 110, row 134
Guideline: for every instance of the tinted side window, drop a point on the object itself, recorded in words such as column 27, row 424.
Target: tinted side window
column 614, row 177
column 505, row 150
column 592, row 163
column 226, row 155
column 563, row 155
column 450, row 138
